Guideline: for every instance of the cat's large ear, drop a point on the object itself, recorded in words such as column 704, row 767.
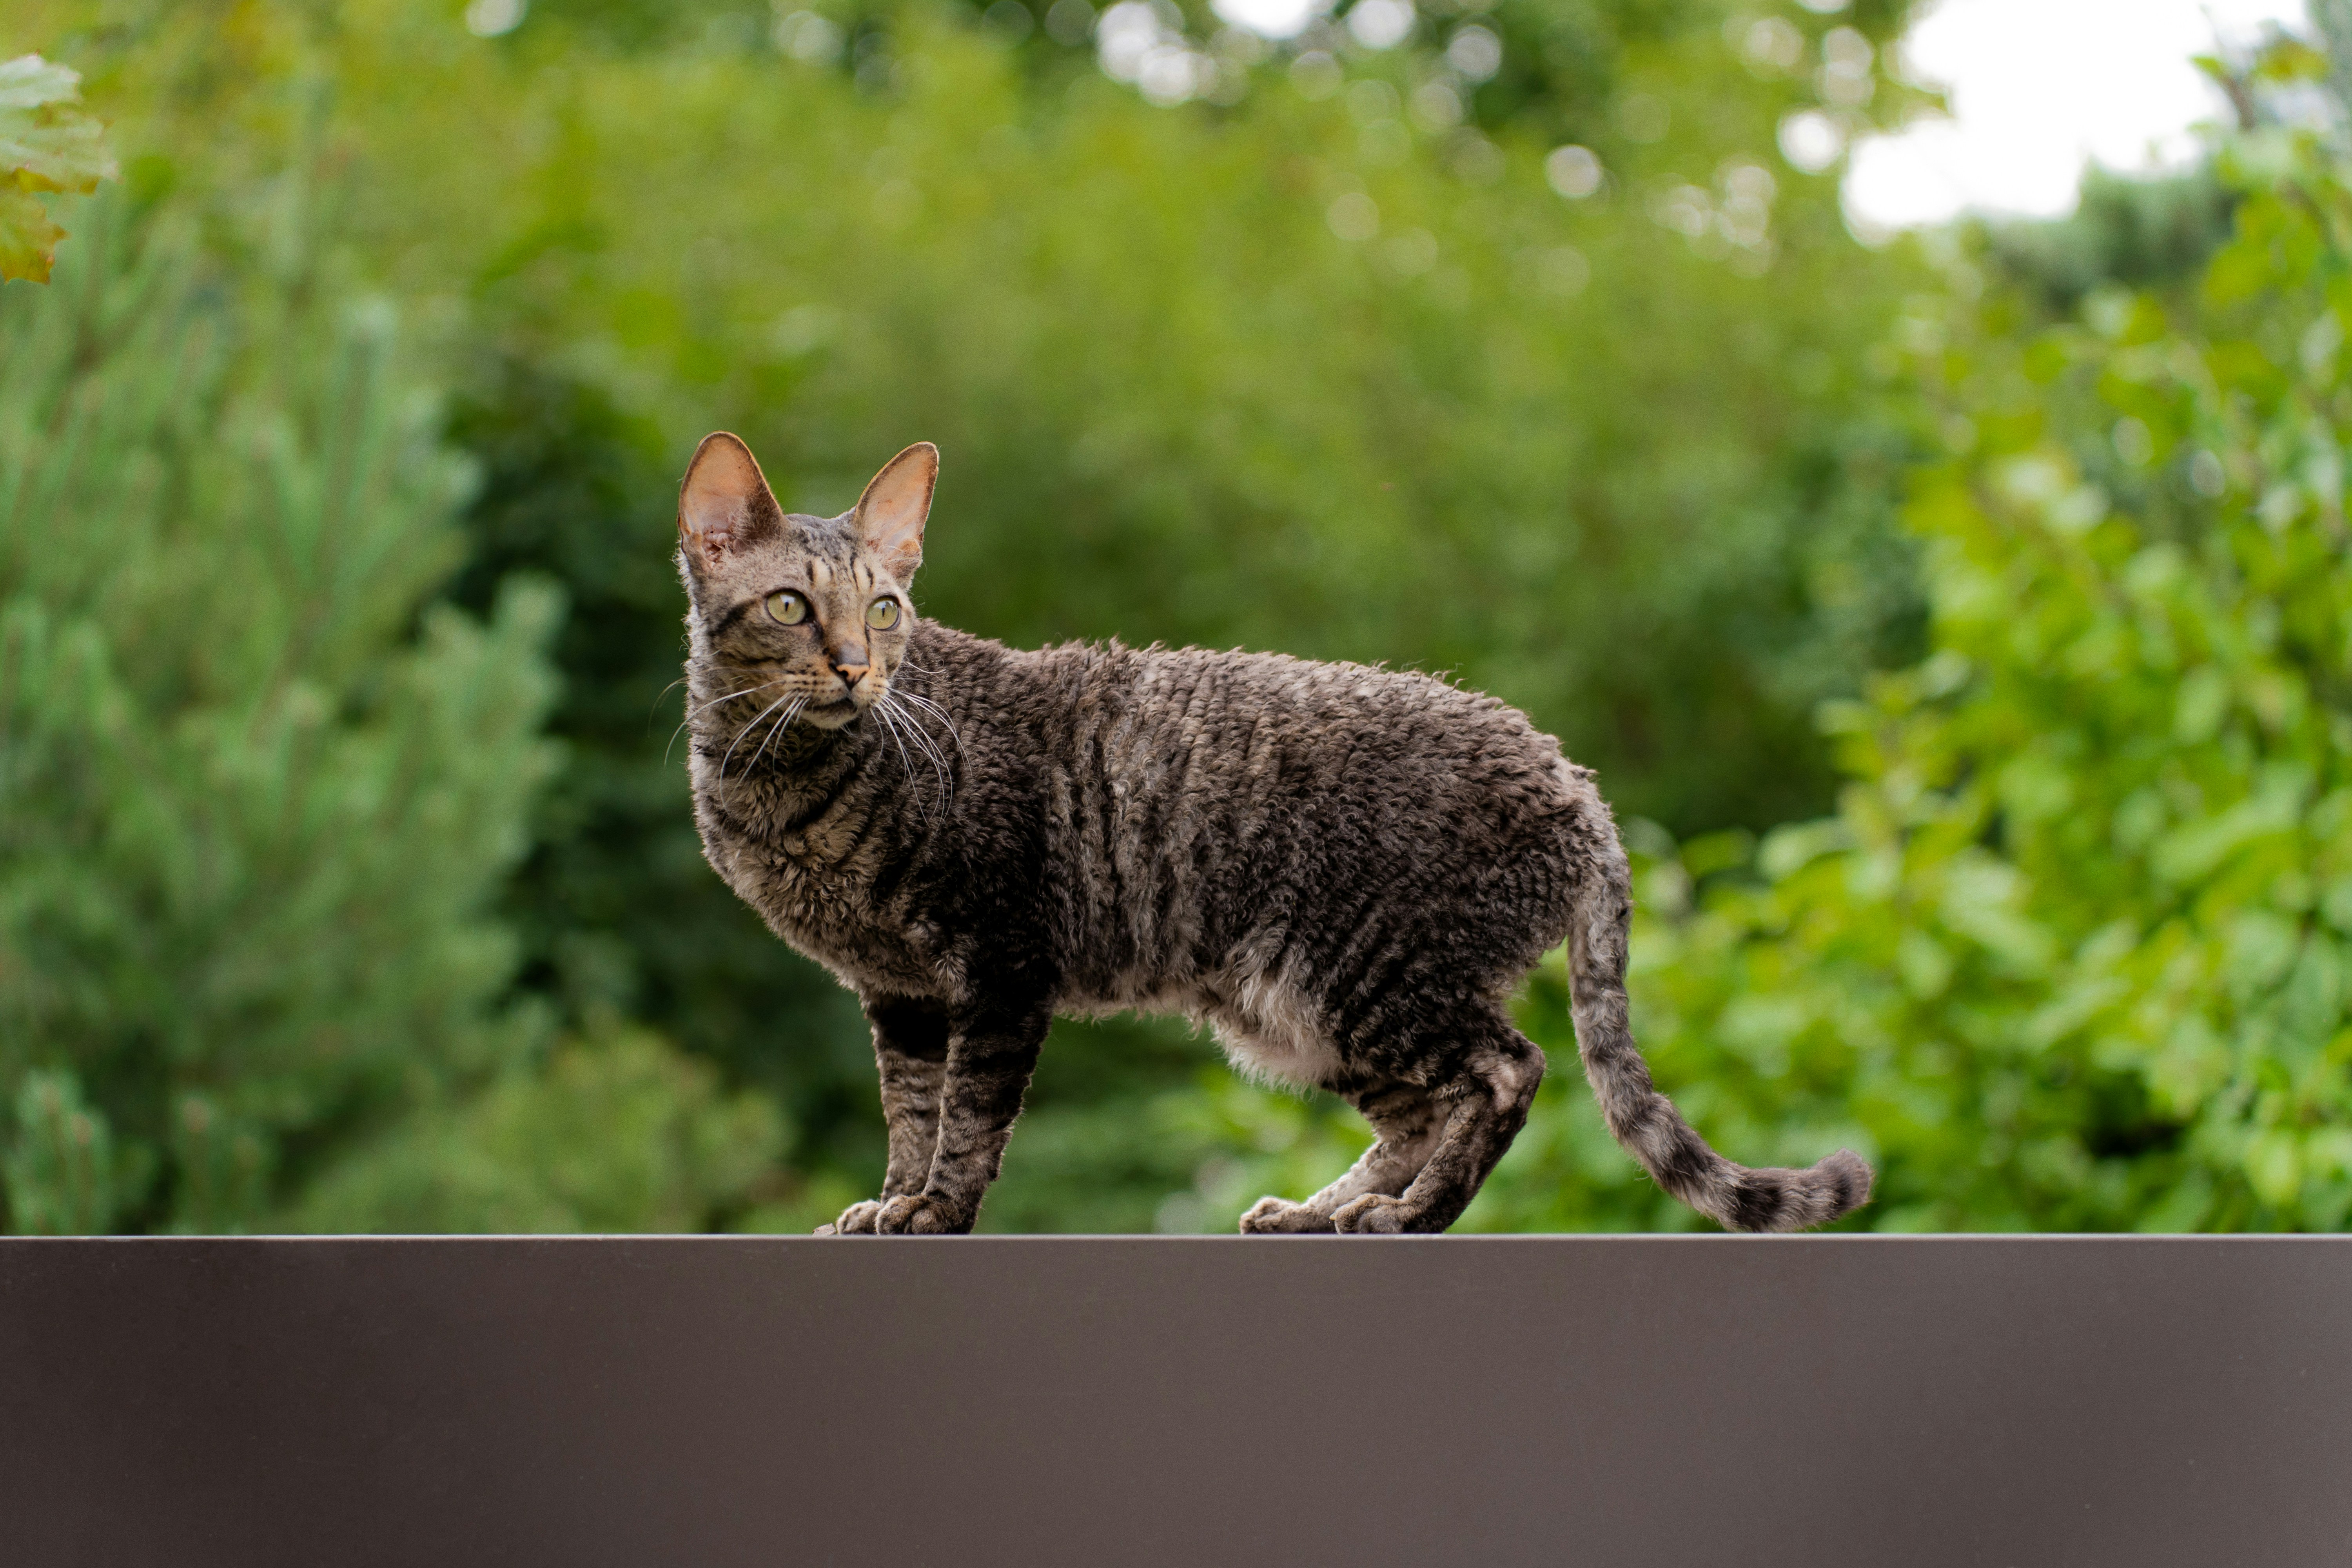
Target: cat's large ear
column 723, row 503
column 890, row 513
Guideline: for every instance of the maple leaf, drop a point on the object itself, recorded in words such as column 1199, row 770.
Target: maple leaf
column 46, row 143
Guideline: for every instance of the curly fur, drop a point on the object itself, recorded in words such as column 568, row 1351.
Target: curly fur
column 1343, row 871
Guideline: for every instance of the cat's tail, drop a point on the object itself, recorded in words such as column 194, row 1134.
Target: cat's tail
column 1646, row 1121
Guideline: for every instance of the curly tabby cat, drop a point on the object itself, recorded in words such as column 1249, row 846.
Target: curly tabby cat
column 1343, row 871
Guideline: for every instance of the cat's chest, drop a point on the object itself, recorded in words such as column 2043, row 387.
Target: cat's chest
column 817, row 888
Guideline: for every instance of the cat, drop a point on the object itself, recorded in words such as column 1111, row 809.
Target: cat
column 1344, row 871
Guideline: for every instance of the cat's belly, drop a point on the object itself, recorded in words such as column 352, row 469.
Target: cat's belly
column 1270, row 1027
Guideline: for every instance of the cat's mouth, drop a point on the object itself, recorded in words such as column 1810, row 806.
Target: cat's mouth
column 832, row 715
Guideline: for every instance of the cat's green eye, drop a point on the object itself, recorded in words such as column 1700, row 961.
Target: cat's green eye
column 788, row 607
column 882, row 614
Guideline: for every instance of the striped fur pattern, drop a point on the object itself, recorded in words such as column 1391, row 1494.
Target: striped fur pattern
column 1343, row 872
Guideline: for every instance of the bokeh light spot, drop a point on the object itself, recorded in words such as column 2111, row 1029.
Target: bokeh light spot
column 1354, row 217
column 1316, row 74
column 1475, row 51
column 1270, row 18
column 1380, row 23
column 1810, row 141
column 495, row 18
column 1574, row 171
column 807, row 37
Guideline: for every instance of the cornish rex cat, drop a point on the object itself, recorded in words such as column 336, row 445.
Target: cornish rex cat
column 1344, row 871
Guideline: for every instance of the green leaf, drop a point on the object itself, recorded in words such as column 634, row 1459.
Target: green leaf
column 45, row 144
column 28, row 240
column 28, row 81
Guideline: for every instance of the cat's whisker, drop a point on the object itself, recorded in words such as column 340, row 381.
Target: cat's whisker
column 924, row 744
column 746, row 730
column 664, row 692
column 941, row 768
column 881, row 711
column 731, row 695
column 918, row 707
column 752, row 763
column 890, row 730
column 955, row 734
column 896, row 717
column 924, row 704
column 930, row 748
column 714, row 702
column 775, row 729
column 913, row 695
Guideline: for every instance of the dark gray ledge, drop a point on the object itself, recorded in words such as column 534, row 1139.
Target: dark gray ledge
column 707, row 1402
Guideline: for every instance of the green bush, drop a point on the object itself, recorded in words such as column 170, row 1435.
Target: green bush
column 2073, row 952
column 257, row 795
column 303, row 920
column 622, row 1135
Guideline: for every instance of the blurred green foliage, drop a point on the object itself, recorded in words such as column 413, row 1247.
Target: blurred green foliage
column 2075, row 952
column 257, row 795
column 626, row 1135
column 344, row 872
column 2144, row 233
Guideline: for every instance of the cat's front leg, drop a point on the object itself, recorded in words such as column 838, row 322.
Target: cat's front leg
column 911, row 1049
column 991, row 1055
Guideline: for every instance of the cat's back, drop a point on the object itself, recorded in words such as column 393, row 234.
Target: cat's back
column 1278, row 730
column 1170, row 735
column 1226, row 788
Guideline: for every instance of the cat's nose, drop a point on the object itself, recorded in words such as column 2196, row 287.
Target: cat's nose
column 850, row 660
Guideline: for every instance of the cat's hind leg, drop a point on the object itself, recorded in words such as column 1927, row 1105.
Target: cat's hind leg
column 1482, row 1108
column 1406, row 1122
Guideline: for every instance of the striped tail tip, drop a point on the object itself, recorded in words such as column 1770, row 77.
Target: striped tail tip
column 1782, row 1200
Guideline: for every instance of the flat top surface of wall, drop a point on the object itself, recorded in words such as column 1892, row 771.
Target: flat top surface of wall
column 2010, row 1401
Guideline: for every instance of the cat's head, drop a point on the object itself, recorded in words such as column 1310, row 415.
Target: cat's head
column 811, row 610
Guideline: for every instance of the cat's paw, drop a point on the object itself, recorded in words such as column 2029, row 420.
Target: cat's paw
column 919, row 1214
column 1372, row 1215
column 858, row 1219
column 1277, row 1216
